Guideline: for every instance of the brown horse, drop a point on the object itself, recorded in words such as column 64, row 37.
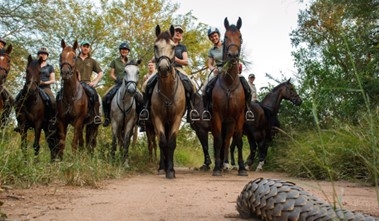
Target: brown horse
column 260, row 132
column 168, row 99
column 6, row 100
column 31, row 110
column 72, row 104
column 228, row 99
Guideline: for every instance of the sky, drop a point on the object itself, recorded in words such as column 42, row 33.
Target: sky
column 266, row 25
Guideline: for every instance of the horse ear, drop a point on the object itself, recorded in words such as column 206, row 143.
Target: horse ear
column 63, row 43
column 40, row 60
column 226, row 23
column 76, row 45
column 9, row 49
column 172, row 30
column 139, row 61
column 239, row 23
column 30, row 59
column 289, row 80
column 157, row 30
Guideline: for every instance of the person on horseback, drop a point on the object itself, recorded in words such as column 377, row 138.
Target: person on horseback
column 8, row 98
column 3, row 42
column 181, row 59
column 215, row 64
column 253, row 89
column 86, row 65
column 47, row 78
column 117, row 73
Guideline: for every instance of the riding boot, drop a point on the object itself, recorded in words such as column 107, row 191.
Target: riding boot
column 106, row 110
column 207, row 98
column 192, row 113
column 17, row 105
column 249, row 115
column 139, row 102
column 144, row 114
column 8, row 104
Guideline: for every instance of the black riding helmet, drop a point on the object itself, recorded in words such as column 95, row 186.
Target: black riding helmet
column 124, row 45
column 212, row 30
column 43, row 50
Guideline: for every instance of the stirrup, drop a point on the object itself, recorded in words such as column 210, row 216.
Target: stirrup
column 249, row 116
column 206, row 116
column 144, row 115
column 106, row 123
column 194, row 115
column 97, row 120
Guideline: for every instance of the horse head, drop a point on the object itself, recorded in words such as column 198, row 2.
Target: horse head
column 232, row 41
column 67, row 60
column 5, row 63
column 131, row 76
column 290, row 93
column 164, row 51
column 32, row 79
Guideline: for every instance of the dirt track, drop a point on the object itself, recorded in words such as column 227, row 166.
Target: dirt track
column 193, row 195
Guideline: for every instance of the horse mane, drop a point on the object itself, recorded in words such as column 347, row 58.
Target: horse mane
column 233, row 27
column 281, row 84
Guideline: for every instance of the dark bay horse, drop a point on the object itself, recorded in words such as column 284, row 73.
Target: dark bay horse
column 6, row 100
column 31, row 111
column 261, row 131
column 123, row 111
column 168, row 99
column 72, row 104
column 228, row 99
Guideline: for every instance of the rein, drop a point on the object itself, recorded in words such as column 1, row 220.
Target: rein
column 124, row 111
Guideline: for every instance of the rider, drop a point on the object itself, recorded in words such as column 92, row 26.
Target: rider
column 47, row 76
column 117, row 73
column 215, row 64
column 5, row 92
column 3, row 42
column 86, row 65
column 181, row 59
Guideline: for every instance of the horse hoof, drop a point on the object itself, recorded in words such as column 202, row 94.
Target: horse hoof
column 205, row 168
column 242, row 172
column 260, row 166
column 170, row 175
column 216, row 173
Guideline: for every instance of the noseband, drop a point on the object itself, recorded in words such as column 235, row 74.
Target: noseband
column 169, row 61
column 70, row 69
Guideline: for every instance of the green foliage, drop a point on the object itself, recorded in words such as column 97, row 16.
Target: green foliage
column 343, row 153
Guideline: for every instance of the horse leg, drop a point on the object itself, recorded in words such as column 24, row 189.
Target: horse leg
column 253, row 150
column 262, row 153
column 51, row 138
column 170, row 146
column 232, row 148
column 241, row 166
column 36, row 146
column 126, row 145
column 91, row 134
column 217, row 143
column 62, row 130
column 203, row 138
column 24, row 144
column 78, row 136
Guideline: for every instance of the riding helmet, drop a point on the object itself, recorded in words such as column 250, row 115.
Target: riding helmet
column 212, row 30
column 43, row 50
column 3, row 40
column 124, row 45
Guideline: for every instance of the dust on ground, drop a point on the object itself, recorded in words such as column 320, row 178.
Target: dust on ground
column 192, row 195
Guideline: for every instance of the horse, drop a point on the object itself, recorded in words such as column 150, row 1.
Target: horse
column 123, row 111
column 72, row 104
column 261, row 131
column 168, row 103
column 31, row 111
column 6, row 100
column 228, row 97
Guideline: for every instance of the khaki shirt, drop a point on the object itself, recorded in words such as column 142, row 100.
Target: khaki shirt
column 86, row 67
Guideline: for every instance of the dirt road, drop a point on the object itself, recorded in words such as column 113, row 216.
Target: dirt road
column 193, row 195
